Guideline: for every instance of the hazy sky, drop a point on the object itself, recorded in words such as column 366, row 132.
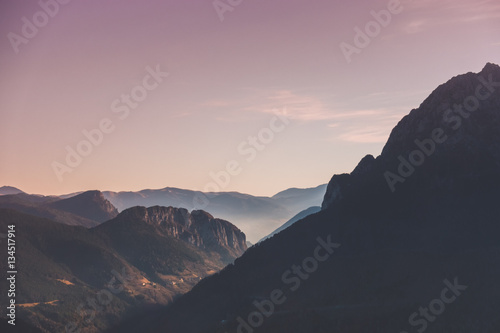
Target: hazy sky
column 225, row 81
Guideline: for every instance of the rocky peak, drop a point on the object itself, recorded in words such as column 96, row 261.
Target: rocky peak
column 447, row 102
column 198, row 228
column 459, row 125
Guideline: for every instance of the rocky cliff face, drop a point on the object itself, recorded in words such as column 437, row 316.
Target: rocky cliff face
column 198, row 228
column 460, row 118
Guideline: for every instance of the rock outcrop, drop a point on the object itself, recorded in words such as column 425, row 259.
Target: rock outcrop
column 198, row 228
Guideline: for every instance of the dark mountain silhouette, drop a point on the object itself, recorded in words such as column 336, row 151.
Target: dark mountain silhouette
column 91, row 205
column 8, row 190
column 87, row 209
column 404, row 256
column 256, row 216
column 42, row 206
column 153, row 255
column 298, row 217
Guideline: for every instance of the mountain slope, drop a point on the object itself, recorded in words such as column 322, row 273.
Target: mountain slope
column 197, row 228
column 420, row 254
column 298, row 217
column 91, row 205
column 148, row 264
column 42, row 206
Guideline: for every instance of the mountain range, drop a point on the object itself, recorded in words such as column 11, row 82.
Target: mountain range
column 256, row 216
column 407, row 242
column 151, row 255
column 87, row 209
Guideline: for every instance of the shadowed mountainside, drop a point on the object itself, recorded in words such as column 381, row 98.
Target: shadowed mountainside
column 152, row 255
column 404, row 231
column 91, row 205
column 42, row 206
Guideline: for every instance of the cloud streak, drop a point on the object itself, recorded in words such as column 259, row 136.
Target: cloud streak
column 426, row 15
column 347, row 124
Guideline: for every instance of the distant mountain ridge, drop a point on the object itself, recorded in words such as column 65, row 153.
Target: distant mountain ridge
column 9, row 190
column 47, row 207
column 256, row 216
column 91, row 205
column 296, row 218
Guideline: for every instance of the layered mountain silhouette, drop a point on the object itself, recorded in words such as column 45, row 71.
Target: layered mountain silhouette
column 256, row 216
column 407, row 242
column 87, row 209
column 151, row 255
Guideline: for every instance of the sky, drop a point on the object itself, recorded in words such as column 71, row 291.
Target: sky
column 226, row 95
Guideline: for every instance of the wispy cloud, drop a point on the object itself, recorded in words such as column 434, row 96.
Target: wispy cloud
column 370, row 125
column 346, row 123
column 216, row 103
column 429, row 14
column 358, row 114
column 415, row 26
column 182, row 114
column 297, row 107
column 366, row 135
column 374, row 127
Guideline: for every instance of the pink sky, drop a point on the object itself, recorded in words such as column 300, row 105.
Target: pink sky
column 225, row 79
